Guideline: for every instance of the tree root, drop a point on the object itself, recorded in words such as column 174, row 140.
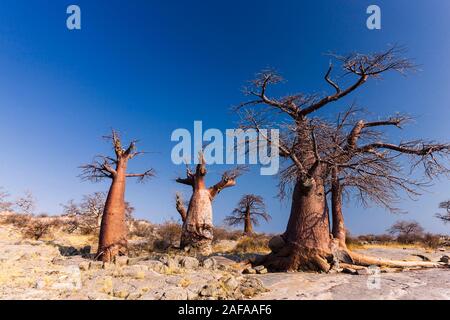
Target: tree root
column 365, row 261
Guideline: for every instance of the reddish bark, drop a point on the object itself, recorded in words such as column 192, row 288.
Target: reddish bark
column 113, row 229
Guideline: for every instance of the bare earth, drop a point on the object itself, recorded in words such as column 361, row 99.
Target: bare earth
column 36, row 270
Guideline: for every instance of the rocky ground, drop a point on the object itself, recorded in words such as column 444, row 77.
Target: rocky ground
column 42, row 270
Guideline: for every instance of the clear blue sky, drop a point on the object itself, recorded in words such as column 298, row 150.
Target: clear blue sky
column 149, row 67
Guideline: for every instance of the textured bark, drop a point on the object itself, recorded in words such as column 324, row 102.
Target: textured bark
column 198, row 228
column 338, row 230
column 307, row 238
column 197, row 231
column 113, row 230
column 248, row 227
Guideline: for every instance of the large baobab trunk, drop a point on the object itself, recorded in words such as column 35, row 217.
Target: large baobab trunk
column 197, row 232
column 307, row 238
column 113, row 230
column 198, row 228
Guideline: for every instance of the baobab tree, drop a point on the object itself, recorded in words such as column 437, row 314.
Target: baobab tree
column 197, row 232
column 372, row 168
column 446, row 215
column 406, row 231
column 249, row 210
column 113, row 230
column 307, row 240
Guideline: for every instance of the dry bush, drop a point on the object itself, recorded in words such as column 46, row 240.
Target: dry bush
column 431, row 240
column 226, row 234
column 18, row 220
column 253, row 244
column 141, row 229
column 37, row 229
column 169, row 236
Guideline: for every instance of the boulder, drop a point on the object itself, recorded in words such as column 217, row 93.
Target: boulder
column 249, row 271
column 121, row 261
column 189, row 263
column 210, row 263
column 175, row 294
column 445, row 259
column 276, row 243
column 349, row 271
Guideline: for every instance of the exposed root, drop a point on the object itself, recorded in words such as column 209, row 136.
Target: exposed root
column 363, row 260
column 291, row 258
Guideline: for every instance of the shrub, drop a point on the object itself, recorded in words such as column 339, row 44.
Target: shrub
column 431, row 240
column 253, row 244
column 169, row 235
column 18, row 220
column 37, row 229
column 226, row 234
column 142, row 229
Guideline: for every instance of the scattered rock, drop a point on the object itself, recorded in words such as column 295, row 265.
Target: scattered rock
column 135, row 271
column 84, row 266
column 445, row 259
column 262, row 271
column 441, row 249
column 121, row 261
column 249, row 271
column 210, row 263
column 189, row 263
column 175, row 294
column 363, row 272
column 349, row 271
column 68, row 251
column 155, row 265
column 423, row 257
column 96, row 265
column 276, row 243
column 231, row 283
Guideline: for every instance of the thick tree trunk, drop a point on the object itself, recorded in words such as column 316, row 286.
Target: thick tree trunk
column 248, row 227
column 113, row 230
column 197, row 230
column 307, row 238
column 339, row 232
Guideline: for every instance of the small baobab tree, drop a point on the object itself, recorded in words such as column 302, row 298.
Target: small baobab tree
column 249, row 210
column 197, row 232
column 113, row 230
column 446, row 215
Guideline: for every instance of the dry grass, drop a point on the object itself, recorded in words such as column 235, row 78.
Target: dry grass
column 253, row 244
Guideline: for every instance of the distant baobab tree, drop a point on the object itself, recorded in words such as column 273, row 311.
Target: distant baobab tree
column 307, row 241
column 197, row 232
column 113, row 230
column 446, row 215
column 249, row 210
column 406, row 231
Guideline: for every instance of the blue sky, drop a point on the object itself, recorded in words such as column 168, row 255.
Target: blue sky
column 149, row 67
